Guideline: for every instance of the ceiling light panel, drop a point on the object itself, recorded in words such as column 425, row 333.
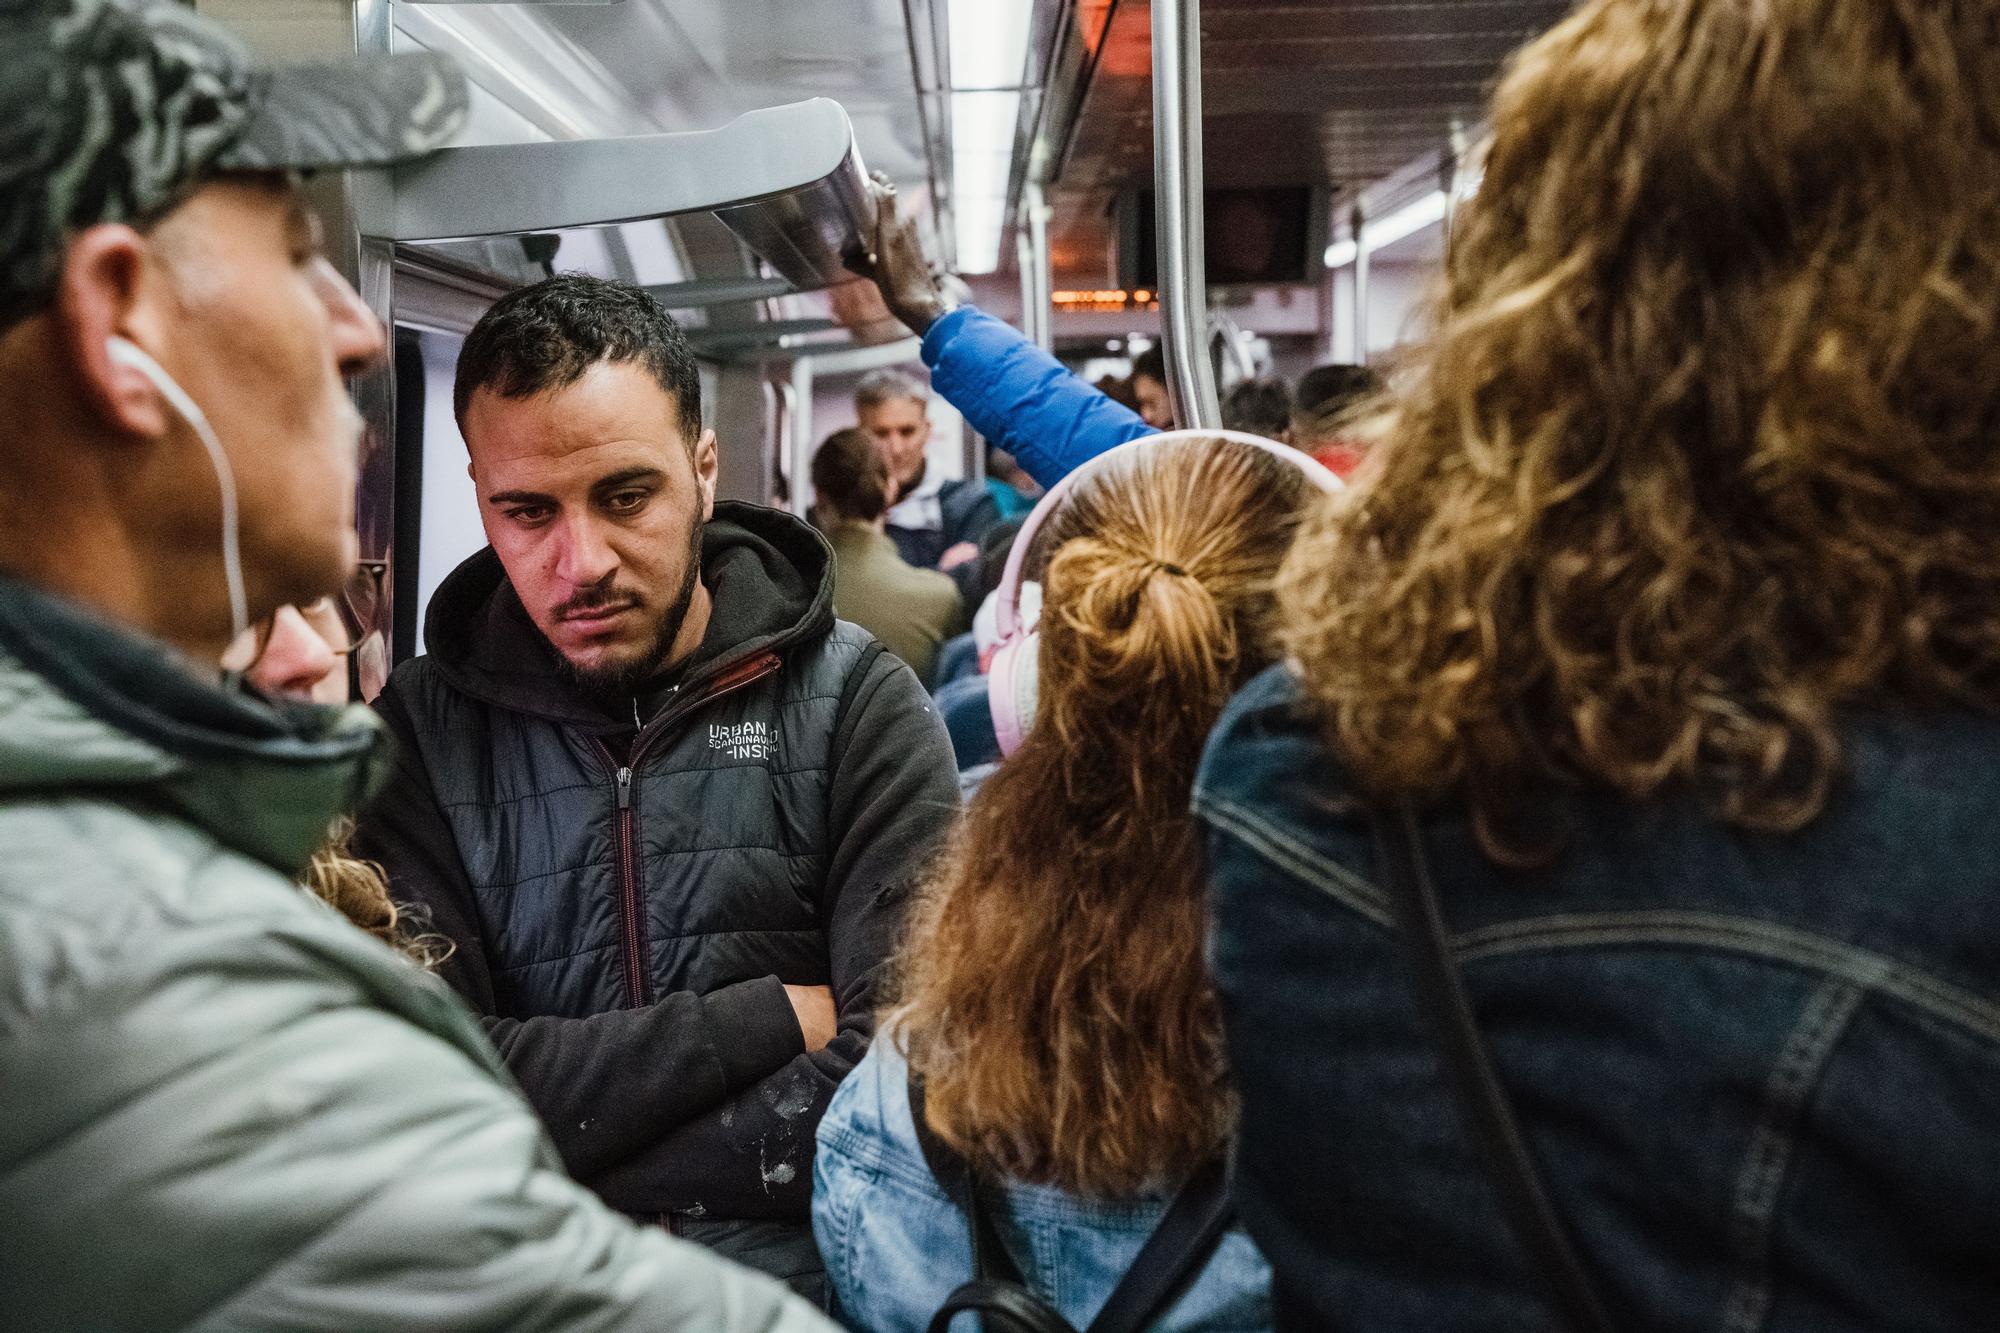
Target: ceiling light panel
column 982, row 155
column 989, row 42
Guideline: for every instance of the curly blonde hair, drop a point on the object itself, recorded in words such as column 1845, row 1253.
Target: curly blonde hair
column 359, row 891
column 1702, row 450
column 1053, row 991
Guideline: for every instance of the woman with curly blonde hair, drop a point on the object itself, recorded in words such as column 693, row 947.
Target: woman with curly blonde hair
column 1053, row 999
column 1671, row 608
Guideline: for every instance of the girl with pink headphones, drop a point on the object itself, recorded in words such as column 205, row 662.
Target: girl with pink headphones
column 1055, row 1037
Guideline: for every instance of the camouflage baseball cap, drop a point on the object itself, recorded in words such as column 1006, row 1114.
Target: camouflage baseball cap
column 113, row 110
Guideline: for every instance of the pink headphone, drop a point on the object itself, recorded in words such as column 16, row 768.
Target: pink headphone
column 1011, row 679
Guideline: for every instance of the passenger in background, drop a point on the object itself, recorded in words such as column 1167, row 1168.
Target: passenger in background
column 1324, row 412
column 301, row 654
column 1014, row 492
column 665, row 807
column 910, row 610
column 1261, row 407
column 1053, row 999
column 935, row 523
column 1149, row 387
column 1118, row 391
column 226, row 1109
column 962, row 655
column 1666, row 638
column 296, row 652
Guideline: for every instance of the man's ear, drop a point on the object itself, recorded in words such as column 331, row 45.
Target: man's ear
column 102, row 293
column 706, row 465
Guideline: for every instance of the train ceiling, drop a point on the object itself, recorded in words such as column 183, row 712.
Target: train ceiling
column 1327, row 92
column 1330, row 92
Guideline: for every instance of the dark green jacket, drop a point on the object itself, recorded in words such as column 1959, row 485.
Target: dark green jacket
column 911, row 610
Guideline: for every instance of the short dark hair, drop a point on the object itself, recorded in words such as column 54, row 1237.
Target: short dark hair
column 850, row 477
column 1262, row 407
column 547, row 335
column 1327, row 393
column 1152, row 363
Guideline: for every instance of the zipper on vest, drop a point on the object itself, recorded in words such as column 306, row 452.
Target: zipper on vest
column 637, row 984
column 631, row 884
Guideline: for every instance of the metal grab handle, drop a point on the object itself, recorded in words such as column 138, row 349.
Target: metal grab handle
column 788, row 180
column 1177, row 213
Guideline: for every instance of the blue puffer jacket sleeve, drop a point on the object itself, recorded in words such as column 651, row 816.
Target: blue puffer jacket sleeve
column 1020, row 397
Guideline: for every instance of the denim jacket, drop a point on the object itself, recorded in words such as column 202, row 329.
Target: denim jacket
column 895, row 1246
column 1760, row 1073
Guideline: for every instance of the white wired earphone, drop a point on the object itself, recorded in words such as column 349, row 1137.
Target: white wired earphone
column 128, row 354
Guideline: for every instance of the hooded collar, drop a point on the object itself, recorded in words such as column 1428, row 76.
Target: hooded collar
column 770, row 583
column 88, row 705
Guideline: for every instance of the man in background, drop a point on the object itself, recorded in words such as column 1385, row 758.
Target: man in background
column 1260, row 407
column 935, row 523
column 912, row 611
column 1323, row 411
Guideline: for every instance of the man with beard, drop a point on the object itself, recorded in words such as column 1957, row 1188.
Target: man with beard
column 664, row 806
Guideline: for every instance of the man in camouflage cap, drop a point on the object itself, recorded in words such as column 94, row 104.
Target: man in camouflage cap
column 226, row 1108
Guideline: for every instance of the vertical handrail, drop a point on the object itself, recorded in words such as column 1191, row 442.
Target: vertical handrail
column 1031, row 309
column 802, row 435
column 778, row 433
column 1037, row 283
column 1359, row 227
column 1177, row 212
column 1451, row 170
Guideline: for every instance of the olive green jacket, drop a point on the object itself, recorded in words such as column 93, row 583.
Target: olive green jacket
column 224, row 1107
column 912, row 611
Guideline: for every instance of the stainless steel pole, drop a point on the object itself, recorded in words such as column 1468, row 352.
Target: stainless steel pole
column 1177, row 212
column 1452, row 169
column 802, row 435
column 1359, row 227
column 1037, row 284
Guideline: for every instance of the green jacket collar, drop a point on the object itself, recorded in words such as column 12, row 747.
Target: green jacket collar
column 88, row 707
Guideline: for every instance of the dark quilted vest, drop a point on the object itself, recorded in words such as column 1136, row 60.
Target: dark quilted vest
column 727, row 805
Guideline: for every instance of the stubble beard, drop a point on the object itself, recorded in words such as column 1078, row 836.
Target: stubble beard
column 616, row 680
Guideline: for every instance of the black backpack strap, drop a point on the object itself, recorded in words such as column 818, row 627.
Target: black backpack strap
column 1005, row 1306
column 990, row 1259
column 1170, row 1259
column 1484, row 1111
column 1178, row 1249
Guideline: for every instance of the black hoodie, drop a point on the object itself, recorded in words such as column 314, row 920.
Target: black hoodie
column 624, row 906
